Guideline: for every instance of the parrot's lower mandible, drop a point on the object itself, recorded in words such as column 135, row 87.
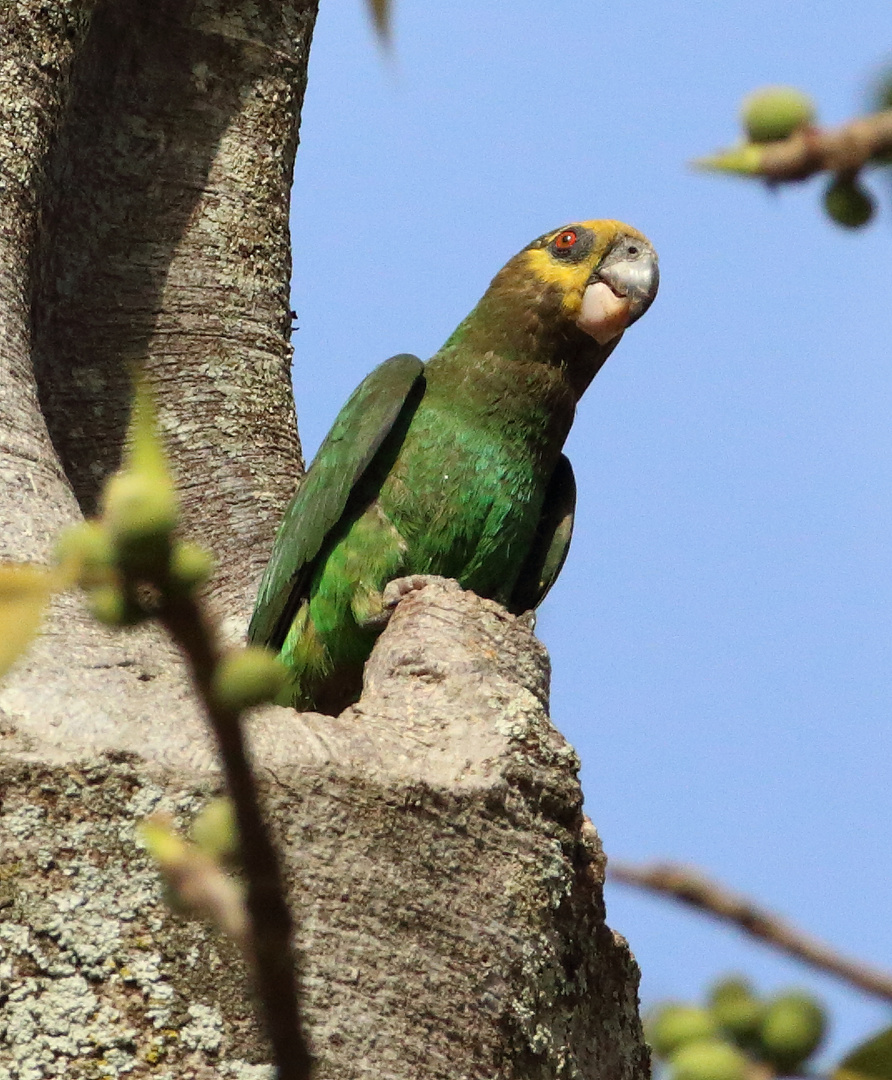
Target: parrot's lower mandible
column 453, row 467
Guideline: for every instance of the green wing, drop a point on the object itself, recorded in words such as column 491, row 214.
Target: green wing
column 316, row 508
column 552, row 541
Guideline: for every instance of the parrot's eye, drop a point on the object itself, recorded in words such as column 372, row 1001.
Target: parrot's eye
column 565, row 240
column 571, row 244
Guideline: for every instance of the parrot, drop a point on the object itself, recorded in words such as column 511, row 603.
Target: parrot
column 453, row 467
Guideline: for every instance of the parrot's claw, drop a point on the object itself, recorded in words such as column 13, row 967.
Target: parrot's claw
column 400, row 587
column 393, row 592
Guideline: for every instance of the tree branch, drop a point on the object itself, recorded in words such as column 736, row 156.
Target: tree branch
column 808, row 151
column 690, row 887
column 274, row 960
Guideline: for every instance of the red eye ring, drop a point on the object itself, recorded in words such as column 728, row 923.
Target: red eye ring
column 565, row 240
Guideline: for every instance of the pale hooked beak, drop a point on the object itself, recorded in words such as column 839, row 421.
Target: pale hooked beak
column 620, row 290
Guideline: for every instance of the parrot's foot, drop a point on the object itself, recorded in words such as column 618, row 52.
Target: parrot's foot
column 393, row 592
column 400, row 587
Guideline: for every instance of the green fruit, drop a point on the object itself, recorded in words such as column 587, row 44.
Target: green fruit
column 847, row 203
column 736, row 1009
column 708, row 1059
column 140, row 513
column 673, row 1026
column 775, row 112
column 190, row 566
column 215, row 831
column 247, row 677
column 791, row 1030
column 110, row 605
column 89, row 547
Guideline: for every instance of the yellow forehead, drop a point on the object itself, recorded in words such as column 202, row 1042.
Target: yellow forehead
column 571, row 277
column 606, row 230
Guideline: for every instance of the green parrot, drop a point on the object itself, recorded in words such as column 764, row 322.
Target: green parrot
column 453, row 467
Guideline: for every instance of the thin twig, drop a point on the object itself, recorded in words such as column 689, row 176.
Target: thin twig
column 808, row 151
column 274, row 960
column 690, row 887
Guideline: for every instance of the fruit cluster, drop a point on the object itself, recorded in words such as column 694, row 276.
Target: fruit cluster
column 134, row 567
column 777, row 112
column 737, row 1035
column 133, row 542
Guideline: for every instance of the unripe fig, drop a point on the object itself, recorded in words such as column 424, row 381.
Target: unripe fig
column 140, row 513
column 215, row 831
column 250, row 676
column 675, row 1025
column 171, row 852
column 110, row 605
column 775, row 112
column 89, row 547
column 791, row 1030
column 190, row 566
column 736, row 1009
column 708, row 1059
column 848, row 203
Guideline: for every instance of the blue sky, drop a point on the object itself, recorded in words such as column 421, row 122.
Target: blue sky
column 721, row 633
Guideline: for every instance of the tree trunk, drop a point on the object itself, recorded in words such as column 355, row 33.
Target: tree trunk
column 446, row 886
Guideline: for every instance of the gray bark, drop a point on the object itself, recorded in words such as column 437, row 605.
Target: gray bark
column 446, row 885
column 146, row 153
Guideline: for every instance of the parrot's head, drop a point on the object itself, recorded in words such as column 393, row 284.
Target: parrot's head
column 599, row 275
column 563, row 302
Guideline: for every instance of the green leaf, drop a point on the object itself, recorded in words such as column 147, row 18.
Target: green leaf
column 24, row 592
column 145, row 450
column 744, row 160
column 871, row 1060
